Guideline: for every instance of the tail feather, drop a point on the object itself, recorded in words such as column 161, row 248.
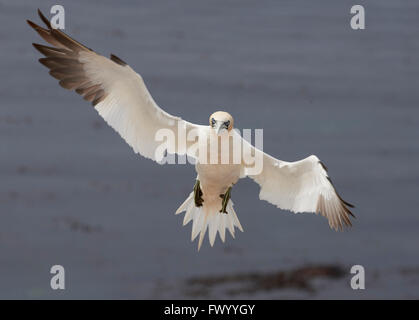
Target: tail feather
column 188, row 214
column 203, row 230
column 213, row 228
column 197, row 223
column 222, row 228
column 230, row 226
column 204, row 218
column 236, row 219
column 185, row 204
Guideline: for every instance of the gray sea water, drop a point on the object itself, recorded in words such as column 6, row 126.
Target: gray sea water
column 73, row 193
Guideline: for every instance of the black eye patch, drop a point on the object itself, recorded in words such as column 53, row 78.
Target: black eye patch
column 227, row 123
column 213, row 121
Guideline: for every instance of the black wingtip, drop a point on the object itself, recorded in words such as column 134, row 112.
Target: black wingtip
column 340, row 198
column 348, row 204
column 323, row 166
column 32, row 24
column 44, row 62
column 38, row 47
column 35, row 45
column 345, row 202
column 117, row 60
column 44, row 19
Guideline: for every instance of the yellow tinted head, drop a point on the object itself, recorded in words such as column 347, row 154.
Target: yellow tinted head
column 221, row 120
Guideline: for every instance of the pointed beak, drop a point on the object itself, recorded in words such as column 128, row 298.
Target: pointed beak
column 219, row 128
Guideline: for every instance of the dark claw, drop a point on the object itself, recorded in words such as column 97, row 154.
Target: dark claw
column 198, row 194
column 226, row 198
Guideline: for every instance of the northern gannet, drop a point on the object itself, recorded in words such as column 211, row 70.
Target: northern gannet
column 120, row 96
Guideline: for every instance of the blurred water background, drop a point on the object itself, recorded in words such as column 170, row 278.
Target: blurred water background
column 73, row 193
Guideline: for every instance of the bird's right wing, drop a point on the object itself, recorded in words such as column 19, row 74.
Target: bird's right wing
column 116, row 91
column 300, row 186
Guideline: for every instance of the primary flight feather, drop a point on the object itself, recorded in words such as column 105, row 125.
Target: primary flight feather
column 120, row 96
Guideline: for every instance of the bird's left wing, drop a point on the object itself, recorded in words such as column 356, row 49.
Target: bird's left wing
column 116, row 91
column 301, row 186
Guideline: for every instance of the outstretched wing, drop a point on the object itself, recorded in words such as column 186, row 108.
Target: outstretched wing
column 116, row 91
column 301, row 186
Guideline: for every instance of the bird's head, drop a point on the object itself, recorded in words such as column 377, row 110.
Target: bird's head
column 221, row 121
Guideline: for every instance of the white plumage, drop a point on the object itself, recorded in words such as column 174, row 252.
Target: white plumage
column 120, row 96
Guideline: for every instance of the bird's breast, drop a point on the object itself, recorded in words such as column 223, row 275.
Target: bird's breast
column 216, row 178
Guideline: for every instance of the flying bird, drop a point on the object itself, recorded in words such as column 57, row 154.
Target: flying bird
column 120, row 96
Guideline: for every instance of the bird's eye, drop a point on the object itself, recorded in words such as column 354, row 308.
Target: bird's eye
column 213, row 122
column 227, row 123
